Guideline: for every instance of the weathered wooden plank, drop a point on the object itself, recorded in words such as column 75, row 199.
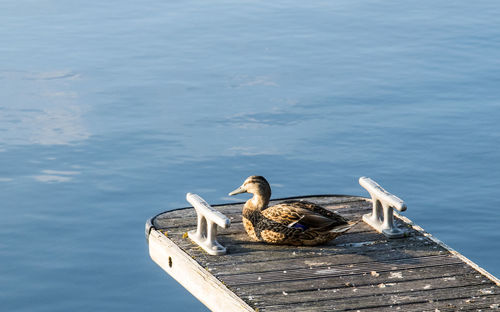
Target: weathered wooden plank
column 312, row 262
column 484, row 303
column 308, row 273
column 367, row 279
column 241, row 251
column 364, row 293
column 401, row 299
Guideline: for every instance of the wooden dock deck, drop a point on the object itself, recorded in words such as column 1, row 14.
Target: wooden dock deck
column 361, row 270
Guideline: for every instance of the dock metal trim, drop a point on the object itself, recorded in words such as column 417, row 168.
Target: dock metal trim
column 149, row 227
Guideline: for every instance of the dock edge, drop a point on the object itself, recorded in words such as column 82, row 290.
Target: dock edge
column 190, row 274
column 471, row 263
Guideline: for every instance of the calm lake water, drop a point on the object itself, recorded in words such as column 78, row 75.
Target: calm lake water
column 110, row 111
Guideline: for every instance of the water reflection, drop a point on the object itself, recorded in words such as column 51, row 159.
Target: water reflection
column 248, row 81
column 54, row 176
column 52, row 75
column 252, row 151
column 41, row 108
column 277, row 117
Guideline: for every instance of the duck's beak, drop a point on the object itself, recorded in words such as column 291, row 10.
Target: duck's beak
column 239, row 190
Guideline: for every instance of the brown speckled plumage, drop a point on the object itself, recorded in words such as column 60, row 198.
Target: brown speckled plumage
column 289, row 222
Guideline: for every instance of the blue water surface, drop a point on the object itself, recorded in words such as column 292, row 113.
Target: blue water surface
column 110, row 111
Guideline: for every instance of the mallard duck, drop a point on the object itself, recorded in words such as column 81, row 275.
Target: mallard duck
column 290, row 222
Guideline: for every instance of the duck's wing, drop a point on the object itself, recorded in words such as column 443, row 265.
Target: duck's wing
column 315, row 208
column 294, row 216
column 282, row 214
column 302, row 204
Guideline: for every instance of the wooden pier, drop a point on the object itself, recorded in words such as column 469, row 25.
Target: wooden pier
column 361, row 270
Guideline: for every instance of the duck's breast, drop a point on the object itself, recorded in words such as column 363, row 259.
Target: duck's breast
column 247, row 224
column 273, row 237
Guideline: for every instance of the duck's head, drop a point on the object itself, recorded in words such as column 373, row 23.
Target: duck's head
column 259, row 187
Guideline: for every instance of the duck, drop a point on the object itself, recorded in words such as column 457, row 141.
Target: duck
column 290, row 222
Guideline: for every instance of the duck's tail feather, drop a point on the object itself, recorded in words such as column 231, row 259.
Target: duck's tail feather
column 343, row 227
